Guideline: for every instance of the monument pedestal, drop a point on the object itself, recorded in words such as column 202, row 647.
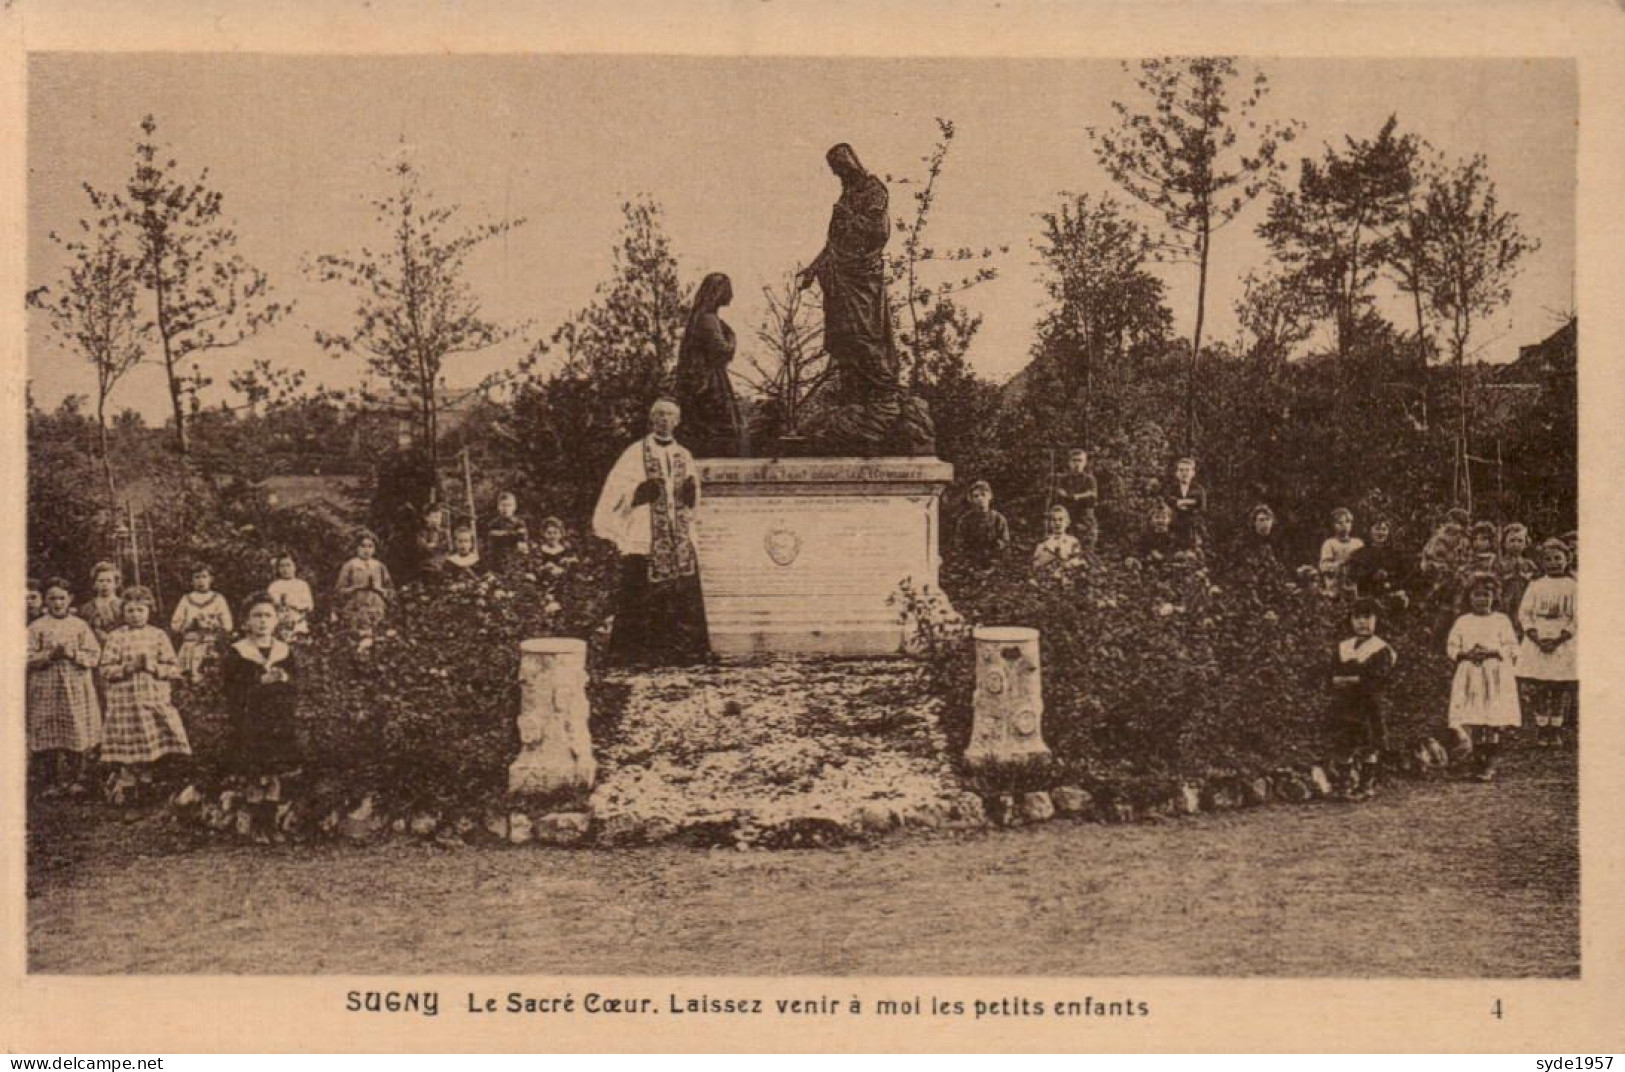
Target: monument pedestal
column 801, row 556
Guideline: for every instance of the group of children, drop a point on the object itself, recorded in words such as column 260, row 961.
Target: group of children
column 1506, row 619
column 100, row 675
column 1071, row 527
column 100, row 688
column 1505, row 664
column 506, row 536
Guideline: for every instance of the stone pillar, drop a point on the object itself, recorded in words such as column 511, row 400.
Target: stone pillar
column 1009, row 702
column 555, row 746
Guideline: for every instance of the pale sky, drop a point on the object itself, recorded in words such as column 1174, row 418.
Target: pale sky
column 733, row 148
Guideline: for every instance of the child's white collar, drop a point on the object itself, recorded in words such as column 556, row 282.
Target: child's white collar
column 250, row 650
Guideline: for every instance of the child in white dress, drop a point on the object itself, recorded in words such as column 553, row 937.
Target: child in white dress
column 1484, row 693
column 202, row 619
column 295, row 603
column 1547, row 667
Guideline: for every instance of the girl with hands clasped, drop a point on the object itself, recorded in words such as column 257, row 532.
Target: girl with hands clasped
column 364, row 591
column 1546, row 662
column 142, row 724
column 1484, row 693
column 64, row 717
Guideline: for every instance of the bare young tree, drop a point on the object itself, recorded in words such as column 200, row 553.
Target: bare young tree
column 1181, row 153
column 935, row 329
column 93, row 314
column 415, row 308
column 205, row 295
column 1474, row 252
column 796, row 367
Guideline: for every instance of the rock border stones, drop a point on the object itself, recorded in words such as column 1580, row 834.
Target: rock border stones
column 371, row 817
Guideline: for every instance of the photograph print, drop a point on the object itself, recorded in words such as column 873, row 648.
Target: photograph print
column 654, row 516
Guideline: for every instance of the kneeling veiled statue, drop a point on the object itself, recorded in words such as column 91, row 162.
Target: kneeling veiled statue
column 711, row 419
column 870, row 413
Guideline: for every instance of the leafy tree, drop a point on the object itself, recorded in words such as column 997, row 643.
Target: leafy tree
column 206, row 296
column 416, row 309
column 1332, row 231
column 1105, row 301
column 1474, row 252
column 1409, row 263
column 1182, row 155
column 616, row 356
column 1275, row 317
column 279, row 425
column 93, row 314
column 629, row 333
column 67, row 523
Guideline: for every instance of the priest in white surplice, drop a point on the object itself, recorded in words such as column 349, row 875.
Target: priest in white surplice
column 646, row 509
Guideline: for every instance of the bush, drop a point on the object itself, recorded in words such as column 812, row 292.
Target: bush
column 1160, row 673
column 426, row 717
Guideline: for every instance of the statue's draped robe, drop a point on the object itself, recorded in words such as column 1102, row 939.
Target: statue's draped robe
column 857, row 318
column 870, row 412
column 704, row 391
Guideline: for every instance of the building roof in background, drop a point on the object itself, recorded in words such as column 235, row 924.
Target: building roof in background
column 1556, row 353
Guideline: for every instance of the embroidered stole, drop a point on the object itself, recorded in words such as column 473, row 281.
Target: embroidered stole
column 671, row 553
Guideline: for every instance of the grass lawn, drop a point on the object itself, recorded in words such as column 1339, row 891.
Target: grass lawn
column 1429, row 880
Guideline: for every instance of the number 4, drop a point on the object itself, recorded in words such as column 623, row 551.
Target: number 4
column 1496, row 1010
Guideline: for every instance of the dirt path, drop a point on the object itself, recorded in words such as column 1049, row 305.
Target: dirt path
column 1429, row 880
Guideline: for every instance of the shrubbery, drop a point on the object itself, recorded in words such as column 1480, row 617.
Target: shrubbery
column 1161, row 672
column 426, row 715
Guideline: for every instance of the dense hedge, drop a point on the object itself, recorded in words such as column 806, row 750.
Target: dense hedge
column 426, row 714
column 1165, row 673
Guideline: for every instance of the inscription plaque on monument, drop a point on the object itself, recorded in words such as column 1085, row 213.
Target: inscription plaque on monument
column 802, row 556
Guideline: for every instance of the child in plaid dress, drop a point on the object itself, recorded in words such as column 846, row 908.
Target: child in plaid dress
column 63, row 715
column 201, row 619
column 364, row 590
column 141, row 724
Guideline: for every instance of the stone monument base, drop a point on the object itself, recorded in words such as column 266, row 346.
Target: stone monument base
column 803, row 556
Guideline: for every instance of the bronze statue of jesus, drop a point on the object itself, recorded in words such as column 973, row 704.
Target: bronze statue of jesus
column 870, row 413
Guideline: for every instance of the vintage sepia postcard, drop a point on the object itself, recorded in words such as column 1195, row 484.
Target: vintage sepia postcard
column 908, row 527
